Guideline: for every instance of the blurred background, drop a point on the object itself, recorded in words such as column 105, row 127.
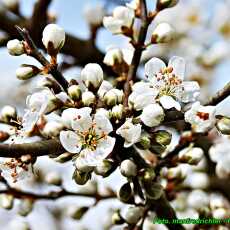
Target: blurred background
column 203, row 33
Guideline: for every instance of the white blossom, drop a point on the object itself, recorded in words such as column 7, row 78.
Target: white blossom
column 202, row 118
column 152, row 115
column 89, row 138
column 122, row 17
column 113, row 97
column 168, row 84
column 37, row 105
column 92, row 75
column 15, row 47
column 130, row 132
column 94, row 14
column 53, row 35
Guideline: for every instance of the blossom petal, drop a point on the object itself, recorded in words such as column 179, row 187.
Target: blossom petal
column 169, row 102
column 93, row 158
column 70, row 141
column 153, row 67
column 178, row 64
column 82, row 120
column 102, row 124
column 191, row 90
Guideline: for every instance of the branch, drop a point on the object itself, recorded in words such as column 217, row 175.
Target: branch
column 139, row 47
column 35, row 53
column 164, row 210
column 220, row 95
column 53, row 195
column 73, row 45
column 40, row 148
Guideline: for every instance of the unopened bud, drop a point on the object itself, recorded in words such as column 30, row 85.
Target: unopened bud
column 92, row 75
column 172, row 173
column 94, row 14
column 163, row 33
column 81, row 166
column 125, row 193
column 77, row 213
column 26, row 72
column 88, row 98
column 53, row 38
column 162, row 137
column 15, row 47
column 223, row 125
column 113, row 57
column 117, row 112
column 81, row 177
column 52, row 129
column 64, row 157
column 162, row 4
column 53, row 178
column 8, row 113
column 25, row 207
column 113, row 97
column 104, row 167
column 191, row 155
column 128, row 168
column 6, row 201
column 220, row 213
column 11, row 4
column 74, row 92
column 133, row 214
column 144, row 143
column 117, row 218
column 147, row 174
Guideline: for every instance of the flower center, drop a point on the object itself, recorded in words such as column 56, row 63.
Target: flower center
column 168, row 82
column 91, row 138
column 203, row 116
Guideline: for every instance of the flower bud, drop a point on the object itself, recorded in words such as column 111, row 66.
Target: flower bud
column 163, row 33
column 197, row 199
column 64, row 157
column 220, row 213
column 88, row 98
column 117, row 112
column 8, row 113
column 53, row 178
column 53, row 38
column 133, row 214
column 104, row 88
column 144, row 142
column 113, row 97
column 162, row 137
column 117, row 218
column 74, row 92
column 94, row 14
column 52, row 129
column 128, row 168
column 26, row 72
column 113, row 56
column 223, row 168
column 223, row 125
column 25, row 207
column 191, row 155
column 15, row 47
column 104, row 167
column 81, row 166
column 81, row 177
column 162, row 4
column 6, row 201
column 92, row 75
column 125, row 193
column 172, row 173
column 11, row 4
column 147, row 174
column 77, row 212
